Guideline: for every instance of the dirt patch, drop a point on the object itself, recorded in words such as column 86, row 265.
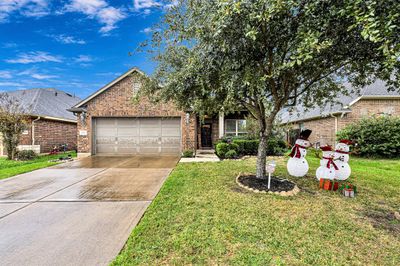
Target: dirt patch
column 383, row 219
column 277, row 184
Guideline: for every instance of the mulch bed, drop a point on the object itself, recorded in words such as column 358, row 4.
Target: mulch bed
column 277, row 184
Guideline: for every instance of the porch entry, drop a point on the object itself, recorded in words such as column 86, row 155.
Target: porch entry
column 206, row 135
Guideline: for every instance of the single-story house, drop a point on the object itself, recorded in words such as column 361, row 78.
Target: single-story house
column 325, row 121
column 110, row 123
column 50, row 124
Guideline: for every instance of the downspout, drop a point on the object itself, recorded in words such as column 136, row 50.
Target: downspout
column 336, row 126
column 33, row 130
column 337, row 123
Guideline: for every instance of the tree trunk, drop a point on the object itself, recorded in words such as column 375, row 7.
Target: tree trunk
column 262, row 156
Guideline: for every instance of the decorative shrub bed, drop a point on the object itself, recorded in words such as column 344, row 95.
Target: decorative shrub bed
column 375, row 137
column 242, row 147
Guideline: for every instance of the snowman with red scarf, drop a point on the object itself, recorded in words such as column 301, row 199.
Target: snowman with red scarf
column 297, row 164
column 341, row 158
column 328, row 167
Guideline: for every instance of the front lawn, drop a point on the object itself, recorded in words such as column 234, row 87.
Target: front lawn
column 11, row 168
column 201, row 216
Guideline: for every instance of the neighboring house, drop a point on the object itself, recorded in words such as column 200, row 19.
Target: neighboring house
column 110, row 122
column 372, row 101
column 50, row 124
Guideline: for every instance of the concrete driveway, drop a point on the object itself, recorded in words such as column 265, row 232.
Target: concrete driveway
column 77, row 213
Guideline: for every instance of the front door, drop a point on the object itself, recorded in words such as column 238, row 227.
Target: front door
column 206, row 137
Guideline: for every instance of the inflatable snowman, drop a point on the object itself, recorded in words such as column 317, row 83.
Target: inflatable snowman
column 327, row 169
column 297, row 164
column 341, row 158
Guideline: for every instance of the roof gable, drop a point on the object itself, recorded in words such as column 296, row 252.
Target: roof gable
column 47, row 102
column 108, row 86
column 376, row 90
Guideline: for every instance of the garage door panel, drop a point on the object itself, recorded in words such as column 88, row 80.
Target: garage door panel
column 105, row 140
column 173, row 132
column 128, row 140
column 103, row 148
column 106, row 132
column 171, row 141
column 171, row 122
column 101, row 123
column 127, row 122
column 128, row 131
column 138, row 135
column 150, row 122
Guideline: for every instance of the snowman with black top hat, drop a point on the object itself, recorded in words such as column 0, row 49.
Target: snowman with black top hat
column 297, row 164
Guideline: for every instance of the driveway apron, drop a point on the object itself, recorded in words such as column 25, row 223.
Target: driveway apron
column 77, row 213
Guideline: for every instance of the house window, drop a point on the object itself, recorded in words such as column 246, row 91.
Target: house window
column 235, row 127
column 136, row 86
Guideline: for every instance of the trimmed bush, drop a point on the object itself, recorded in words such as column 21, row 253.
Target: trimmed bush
column 374, row 137
column 247, row 147
column 276, row 146
column 26, row 155
column 231, row 154
column 187, row 154
column 222, row 148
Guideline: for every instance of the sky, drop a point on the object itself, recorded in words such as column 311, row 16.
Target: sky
column 76, row 46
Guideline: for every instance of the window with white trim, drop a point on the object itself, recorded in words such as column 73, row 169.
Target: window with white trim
column 235, row 127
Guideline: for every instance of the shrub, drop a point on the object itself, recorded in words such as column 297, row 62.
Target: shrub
column 187, row 154
column 26, row 155
column 231, row 154
column 276, row 146
column 222, row 148
column 375, row 137
column 247, row 147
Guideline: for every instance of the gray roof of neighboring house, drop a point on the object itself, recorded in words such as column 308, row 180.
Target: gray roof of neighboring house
column 47, row 102
column 298, row 113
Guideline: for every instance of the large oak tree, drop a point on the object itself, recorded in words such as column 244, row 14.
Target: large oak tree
column 263, row 55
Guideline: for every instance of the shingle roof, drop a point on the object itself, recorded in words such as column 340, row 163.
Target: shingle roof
column 47, row 102
column 299, row 113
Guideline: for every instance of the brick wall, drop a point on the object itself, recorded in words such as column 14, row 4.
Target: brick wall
column 117, row 102
column 50, row 133
column 324, row 128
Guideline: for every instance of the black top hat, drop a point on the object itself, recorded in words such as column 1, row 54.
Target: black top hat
column 305, row 134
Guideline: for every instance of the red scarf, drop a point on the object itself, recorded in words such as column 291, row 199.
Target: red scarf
column 344, row 152
column 330, row 162
column 296, row 151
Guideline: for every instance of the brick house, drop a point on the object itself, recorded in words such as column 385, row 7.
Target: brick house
column 110, row 123
column 50, row 124
column 373, row 100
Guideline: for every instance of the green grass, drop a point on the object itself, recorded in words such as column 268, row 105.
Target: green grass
column 202, row 217
column 10, row 168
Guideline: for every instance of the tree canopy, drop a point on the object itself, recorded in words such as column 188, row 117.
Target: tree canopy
column 261, row 56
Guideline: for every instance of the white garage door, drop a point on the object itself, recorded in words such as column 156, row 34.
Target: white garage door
column 161, row 136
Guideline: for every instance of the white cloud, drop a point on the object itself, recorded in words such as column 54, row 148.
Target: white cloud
column 83, row 59
column 65, row 39
column 5, row 74
column 11, row 84
column 32, row 72
column 99, row 10
column 42, row 76
column 28, row 8
column 146, row 4
column 34, row 57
